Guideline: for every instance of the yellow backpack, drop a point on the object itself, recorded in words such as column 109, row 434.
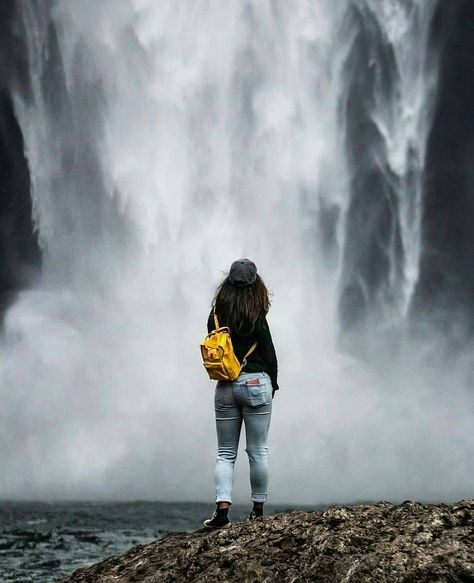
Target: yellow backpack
column 218, row 354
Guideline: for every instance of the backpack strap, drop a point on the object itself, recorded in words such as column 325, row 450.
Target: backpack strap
column 249, row 352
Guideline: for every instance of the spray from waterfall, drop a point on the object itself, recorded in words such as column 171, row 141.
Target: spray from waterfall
column 165, row 140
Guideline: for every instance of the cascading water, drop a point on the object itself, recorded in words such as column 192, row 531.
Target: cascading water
column 390, row 77
column 165, row 140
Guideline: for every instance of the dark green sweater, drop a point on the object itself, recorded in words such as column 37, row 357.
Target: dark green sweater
column 263, row 358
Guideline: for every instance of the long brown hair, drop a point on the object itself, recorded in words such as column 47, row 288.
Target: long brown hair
column 241, row 308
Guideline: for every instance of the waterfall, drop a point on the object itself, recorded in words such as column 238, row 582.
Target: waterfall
column 390, row 87
column 165, row 140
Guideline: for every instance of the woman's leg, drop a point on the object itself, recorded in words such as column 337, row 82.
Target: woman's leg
column 257, row 424
column 228, row 425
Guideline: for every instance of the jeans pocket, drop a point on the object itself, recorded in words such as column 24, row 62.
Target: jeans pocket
column 254, row 392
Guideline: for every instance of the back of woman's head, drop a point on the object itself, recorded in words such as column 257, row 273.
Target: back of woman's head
column 242, row 307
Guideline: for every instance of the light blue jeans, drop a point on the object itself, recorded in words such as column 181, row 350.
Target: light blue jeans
column 247, row 399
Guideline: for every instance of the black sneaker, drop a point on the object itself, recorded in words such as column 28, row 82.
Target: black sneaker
column 253, row 515
column 218, row 520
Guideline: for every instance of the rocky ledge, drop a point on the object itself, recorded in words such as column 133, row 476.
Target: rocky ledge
column 409, row 543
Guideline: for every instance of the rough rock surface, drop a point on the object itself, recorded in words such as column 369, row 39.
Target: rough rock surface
column 409, row 543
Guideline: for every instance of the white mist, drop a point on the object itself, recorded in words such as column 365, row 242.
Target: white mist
column 179, row 136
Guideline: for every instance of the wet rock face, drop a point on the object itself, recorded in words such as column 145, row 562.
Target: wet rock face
column 446, row 281
column 19, row 250
column 409, row 543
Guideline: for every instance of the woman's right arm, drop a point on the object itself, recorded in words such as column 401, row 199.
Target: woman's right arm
column 268, row 352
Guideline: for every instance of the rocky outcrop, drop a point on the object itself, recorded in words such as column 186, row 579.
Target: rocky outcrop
column 409, row 543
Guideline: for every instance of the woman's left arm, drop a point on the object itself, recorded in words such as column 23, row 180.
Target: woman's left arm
column 210, row 322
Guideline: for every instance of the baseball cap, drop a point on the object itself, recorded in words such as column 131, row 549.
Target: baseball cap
column 242, row 272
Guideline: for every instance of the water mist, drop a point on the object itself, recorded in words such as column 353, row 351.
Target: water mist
column 165, row 140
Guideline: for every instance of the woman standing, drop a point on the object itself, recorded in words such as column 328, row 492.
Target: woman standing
column 241, row 303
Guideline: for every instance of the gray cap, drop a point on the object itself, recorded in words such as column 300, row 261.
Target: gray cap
column 242, row 272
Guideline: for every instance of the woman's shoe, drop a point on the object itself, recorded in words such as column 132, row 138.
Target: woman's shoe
column 219, row 519
column 253, row 515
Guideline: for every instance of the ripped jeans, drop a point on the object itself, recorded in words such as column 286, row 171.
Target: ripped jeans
column 248, row 399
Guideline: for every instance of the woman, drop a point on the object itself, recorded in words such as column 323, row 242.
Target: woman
column 242, row 303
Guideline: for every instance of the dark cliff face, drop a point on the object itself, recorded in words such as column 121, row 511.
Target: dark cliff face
column 19, row 251
column 446, row 284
